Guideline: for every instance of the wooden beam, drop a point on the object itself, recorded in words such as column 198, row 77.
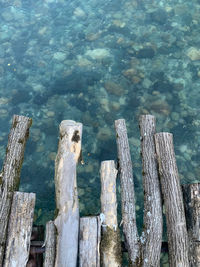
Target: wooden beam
column 10, row 174
column 191, row 194
column 173, row 201
column 50, row 245
column 127, row 192
column 19, row 230
column 110, row 243
column 151, row 238
column 67, row 220
column 89, row 241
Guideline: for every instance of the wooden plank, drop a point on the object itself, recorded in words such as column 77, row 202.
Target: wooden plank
column 191, row 194
column 151, row 238
column 173, row 201
column 110, row 243
column 10, row 174
column 19, row 230
column 67, row 221
column 89, row 241
column 50, row 245
column 127, row 192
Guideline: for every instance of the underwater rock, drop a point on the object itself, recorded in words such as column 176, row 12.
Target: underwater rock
column 160, row 107
column 163, row 86
column 146, row 52
column 114, row 88
column 104, row 134
column 78, row 12
column 20, row 96
column 3, row 113
column 133, row 75
column 93, row 36
column 35, row 134
column 98, row 54
column 159, row 16
column 193, row 53
column 60, row 56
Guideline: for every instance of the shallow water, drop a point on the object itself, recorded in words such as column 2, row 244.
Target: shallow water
column 94, row 62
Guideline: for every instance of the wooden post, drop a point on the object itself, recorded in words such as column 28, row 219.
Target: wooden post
column 50, row 245
column 173, row 200
column 191, row 194
column 19, row 230
column 151, row 238
column 67, row 221
column 110, row 244
column 127, row 192
column 10, row 174
column 89, row 241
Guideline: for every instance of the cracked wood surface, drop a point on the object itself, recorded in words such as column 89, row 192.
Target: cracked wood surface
column 67, row 220
column 10, row 174
column 173, row 201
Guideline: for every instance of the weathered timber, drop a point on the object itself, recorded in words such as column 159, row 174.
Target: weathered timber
column 89, row 241
column 173, row 201
column 67, row 220
column 127, row 192
column 110, row 243
column 151, row 238
column 50, row 245
column 191, row 195
column 10, row 174
column 19, row 230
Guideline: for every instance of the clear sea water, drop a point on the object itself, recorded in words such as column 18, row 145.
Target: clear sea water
column 95, row 62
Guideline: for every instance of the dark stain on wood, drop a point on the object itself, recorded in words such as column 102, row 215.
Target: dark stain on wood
column 76, row 136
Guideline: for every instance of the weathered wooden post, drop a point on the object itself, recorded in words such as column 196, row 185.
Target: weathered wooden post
column 151, row 238
column 89, row 241
column 127, row 193
column 19, row 230
column 173, row 201
column 50, row 245
column 191, row 195
column 110, row 243
column 67, row 220
column 10, row 174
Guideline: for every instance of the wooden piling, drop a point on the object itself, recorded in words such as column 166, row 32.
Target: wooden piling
column 89, row 241
column 10, row 174
column 67, row 220
column 151, row 238
column 127, row 192
column 110, row 243
column 50, row 245
column 191, row 194
column 173, row 201
column 19, row 230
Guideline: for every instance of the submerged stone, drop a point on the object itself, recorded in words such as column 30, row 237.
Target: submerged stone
column 98, row 53
column 159, row 16
column 114, row 88
column 147, row 52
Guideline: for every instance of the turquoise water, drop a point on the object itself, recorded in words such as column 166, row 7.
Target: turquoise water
column 94, row 62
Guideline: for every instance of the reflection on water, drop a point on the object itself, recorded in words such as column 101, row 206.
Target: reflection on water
column 94, row 62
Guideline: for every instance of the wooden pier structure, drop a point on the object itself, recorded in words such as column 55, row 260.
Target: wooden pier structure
column 94, row 241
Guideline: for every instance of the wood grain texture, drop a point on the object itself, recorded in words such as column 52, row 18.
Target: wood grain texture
column 67, row 220
column 127, row 192
column 191, row 194
column 19, row 230
column 110, row 244
column 151, row 238
column 89, row 241
column 10, row 174
column 50, row 245
column 173, row 201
